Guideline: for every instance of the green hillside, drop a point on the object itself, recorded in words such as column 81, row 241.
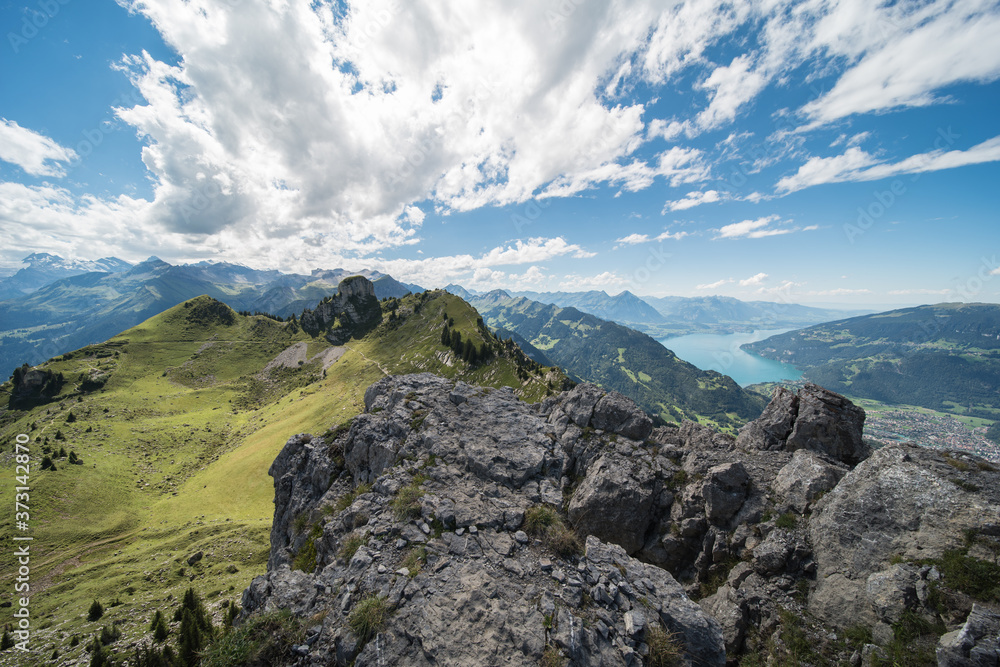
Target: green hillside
column 624, row 360
column 944, row 357
column 175, row 423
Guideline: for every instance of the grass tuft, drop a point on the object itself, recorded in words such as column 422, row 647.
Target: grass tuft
column 368, row 617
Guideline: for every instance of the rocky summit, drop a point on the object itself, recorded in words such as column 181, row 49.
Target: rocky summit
column 457, row 525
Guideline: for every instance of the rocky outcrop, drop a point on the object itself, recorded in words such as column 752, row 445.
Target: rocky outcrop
column 32, row 386
column 904, row 503
column 816, row 419
column 486, row 527
column 439, row 537
column 351, row 313
column 976, row 643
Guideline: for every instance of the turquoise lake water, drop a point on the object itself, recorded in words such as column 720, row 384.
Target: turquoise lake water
column 722, row 353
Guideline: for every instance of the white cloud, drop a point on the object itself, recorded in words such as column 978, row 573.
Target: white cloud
column 857, row 165
column 439, row 271
column 387, row 105
column 753, row 229
column 633, row 239
column 825, row 170
column 488, row 279
column 693, row 199
column 754, row 280
column 35, row 153
column 671, row 236
column 715, row 285
column 734, row 86
column 901, row 54
column 606, row 279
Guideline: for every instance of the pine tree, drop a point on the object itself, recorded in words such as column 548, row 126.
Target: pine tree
column 456, row 341
column 446, row 336
column 96, row 611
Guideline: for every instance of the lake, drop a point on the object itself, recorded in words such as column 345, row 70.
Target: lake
column 722, row 353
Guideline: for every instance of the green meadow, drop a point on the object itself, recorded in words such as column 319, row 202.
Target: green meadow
column 174, row 449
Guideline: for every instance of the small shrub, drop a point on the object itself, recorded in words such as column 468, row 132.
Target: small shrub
column 664, row 649
column 262, row 639
column 563, row 540
column 414, row 560
column 955, row 463
column 350, row 546
column 552, row 657
column 787, row 521
column 538, row 518
column 96, row 611
column 348, row 498
column 368, row 617
column 305, row 559
column 406, row 504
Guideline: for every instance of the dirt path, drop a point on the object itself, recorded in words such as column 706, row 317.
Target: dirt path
column 380, row 366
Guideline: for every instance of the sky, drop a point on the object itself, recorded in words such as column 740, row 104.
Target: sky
column 822, row 152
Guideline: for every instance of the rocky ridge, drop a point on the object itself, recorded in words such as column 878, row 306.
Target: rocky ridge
column 433, row 507
column 352, row 312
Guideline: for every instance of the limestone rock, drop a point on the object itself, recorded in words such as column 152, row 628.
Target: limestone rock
column 621, row 415
column 485, row 588
column 899, row 502
column 615, row 501
column 816, row 419
column 725, row 490
column 976, row 643
column 806, row 477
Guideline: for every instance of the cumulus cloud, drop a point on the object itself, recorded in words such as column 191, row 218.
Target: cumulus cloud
column 693, row 199
column 285, row 132
column 636, row 239
column 35, row 153
column 633, row 239
column 754, row 280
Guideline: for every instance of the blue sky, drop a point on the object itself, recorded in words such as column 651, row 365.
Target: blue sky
column 812, row 152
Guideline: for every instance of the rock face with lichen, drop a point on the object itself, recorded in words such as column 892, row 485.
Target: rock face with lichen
column 489, row 531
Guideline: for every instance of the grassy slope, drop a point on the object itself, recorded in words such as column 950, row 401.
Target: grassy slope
column 176, row 457
column 627, row 361
column 944, row 357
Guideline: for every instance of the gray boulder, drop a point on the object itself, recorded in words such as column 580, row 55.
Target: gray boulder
column 975, row 644
column 615, row 501
column 900, row 502
column 724, row 490
column 816, row 419
column 829, row 424
column 621, row 415
column 805, row 477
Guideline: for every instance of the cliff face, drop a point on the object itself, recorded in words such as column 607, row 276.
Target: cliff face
column 352, row 312
column 488, row 531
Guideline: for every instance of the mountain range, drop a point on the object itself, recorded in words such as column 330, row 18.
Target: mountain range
column 676, row 315
column 91, row 305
